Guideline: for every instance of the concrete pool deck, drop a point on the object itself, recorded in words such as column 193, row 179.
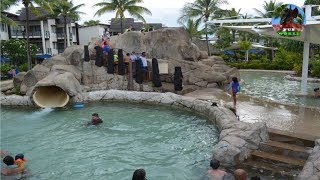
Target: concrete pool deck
column 298, row 119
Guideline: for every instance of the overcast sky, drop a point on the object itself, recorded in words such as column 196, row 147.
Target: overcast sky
column 167, row 11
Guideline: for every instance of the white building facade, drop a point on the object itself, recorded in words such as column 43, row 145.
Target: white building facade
column 46, row 34
column 86, row 33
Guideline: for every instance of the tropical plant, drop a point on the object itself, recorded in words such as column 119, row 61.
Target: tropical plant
column 245, row 45
column 67, row 11
column 224, row 38
column 192, row 28
column 16, row 50
column 201, row 10
column 91, row 22
column 233, row 14
column 5, row 5
column 122, row 6
column 268, row 8
column 29, row 5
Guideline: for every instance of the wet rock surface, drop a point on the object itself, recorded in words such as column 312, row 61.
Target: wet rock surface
column 311, row 169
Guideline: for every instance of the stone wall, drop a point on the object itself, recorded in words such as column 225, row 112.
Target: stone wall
column 311, row 169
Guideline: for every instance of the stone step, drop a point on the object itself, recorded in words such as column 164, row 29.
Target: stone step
column 264, row 168
column 285, row 149
column 277, row 158
column 292, row 138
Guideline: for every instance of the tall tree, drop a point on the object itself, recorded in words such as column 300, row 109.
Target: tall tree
column 192, row 28
column 245, row 45
column 122, row 6
column 29, row 5
column 201, row 10
column 233, row 14
column 268, row 8
column 91, row 22
column 4, row 6
column 68, row 12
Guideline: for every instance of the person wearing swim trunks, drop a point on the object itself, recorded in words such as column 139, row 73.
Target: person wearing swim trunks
column 235, row 88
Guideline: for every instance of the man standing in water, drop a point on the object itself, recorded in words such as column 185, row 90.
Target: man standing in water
column 95, row 120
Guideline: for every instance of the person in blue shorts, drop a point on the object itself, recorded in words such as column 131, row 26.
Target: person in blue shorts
column 235, row 88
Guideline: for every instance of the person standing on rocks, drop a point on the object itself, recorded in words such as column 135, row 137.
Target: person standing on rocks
column 235, row 88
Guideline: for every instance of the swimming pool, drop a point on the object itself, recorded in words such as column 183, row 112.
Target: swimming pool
column 167, row 143
column 273, row 86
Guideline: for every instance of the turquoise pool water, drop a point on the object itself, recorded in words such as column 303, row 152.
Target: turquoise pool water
column 274, row 87
column 167, row 143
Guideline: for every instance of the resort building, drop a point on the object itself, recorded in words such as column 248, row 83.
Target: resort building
column 45, row 32
column 86, row 33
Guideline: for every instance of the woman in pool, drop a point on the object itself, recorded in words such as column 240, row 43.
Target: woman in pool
column 235, row 87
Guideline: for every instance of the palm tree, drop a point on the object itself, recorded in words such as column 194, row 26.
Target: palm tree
column 233, row 14
column 67, row 11
column 5, row 5
column 245, row 45
column 192, row 28
column 122, row 6
column 201, row 10
column 30, row 4
column 268, row 8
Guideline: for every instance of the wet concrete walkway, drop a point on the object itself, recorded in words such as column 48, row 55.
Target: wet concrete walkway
column 301, row 120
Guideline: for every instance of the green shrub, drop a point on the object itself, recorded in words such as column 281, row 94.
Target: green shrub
column 297, row 68
column 315, row 67
column 5, row 68
column 23, row 68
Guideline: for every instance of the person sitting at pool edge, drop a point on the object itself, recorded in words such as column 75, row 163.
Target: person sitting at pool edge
column 11, row 168
column 216, row 173
column 95, row 120
column 317, row 92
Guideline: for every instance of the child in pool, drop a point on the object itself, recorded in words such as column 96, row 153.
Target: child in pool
column 20, row 160
column 235, row 87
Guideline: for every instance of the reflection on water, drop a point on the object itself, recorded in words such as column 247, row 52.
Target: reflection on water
column 274, row 87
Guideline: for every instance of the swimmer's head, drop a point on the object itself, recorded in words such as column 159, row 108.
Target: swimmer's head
column 316, row 89
column 139, row 174
column 235, row 79
column 95, row 114
column 19, row 156
column 8, row 160
column 214, row 164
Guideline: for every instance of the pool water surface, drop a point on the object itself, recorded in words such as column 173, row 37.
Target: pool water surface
column 167, row 143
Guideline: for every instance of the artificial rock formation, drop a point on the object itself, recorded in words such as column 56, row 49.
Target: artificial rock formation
column 173, row 43
column 169, row 45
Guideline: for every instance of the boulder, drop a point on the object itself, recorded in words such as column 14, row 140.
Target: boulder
column 74, row 55
column 204, row 55
column 6, row 85
column 68, row 68
column 170, row 43
column 55, row 60
column 64, row 80
column 17, row 80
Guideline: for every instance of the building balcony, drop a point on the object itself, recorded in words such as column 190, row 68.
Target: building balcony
column 22, row 34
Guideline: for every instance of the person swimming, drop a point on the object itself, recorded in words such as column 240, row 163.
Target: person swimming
column 317, row 92
column 95, row 120
column 20, row 160
column 11, row 168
